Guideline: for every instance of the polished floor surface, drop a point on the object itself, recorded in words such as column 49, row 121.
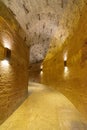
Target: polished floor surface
column 45, row 109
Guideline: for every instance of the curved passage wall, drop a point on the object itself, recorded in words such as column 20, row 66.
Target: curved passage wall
column 14, row 72
column 70, row 78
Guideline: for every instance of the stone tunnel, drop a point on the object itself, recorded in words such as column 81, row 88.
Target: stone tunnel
column 43, row 64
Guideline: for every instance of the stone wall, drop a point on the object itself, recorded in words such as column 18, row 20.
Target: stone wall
column 71, row 80
column 35, row 72
column 14, row 74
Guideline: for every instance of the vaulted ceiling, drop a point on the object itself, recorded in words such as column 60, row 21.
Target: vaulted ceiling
column 44, row 20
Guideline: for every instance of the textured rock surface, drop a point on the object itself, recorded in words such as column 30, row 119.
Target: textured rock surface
column 35, row 72
column 45, row 21
column 60, row 26
column 13, row 75
column 71, row 79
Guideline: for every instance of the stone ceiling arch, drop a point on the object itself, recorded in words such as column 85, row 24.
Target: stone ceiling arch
column 44, row 20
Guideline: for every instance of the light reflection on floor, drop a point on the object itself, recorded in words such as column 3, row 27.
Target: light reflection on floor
column 72, row 88
column 45, row 109
column 35, row 87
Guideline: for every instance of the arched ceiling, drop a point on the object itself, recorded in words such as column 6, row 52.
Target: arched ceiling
column 43, row 20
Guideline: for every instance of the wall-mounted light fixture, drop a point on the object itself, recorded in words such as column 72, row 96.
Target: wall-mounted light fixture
column 65, row 59
column 41, row 67
column 5, row 53
column 65, row 63
column 66, row 70
column 41, row 70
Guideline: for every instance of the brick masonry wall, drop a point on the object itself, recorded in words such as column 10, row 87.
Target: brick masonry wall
column 14, row 75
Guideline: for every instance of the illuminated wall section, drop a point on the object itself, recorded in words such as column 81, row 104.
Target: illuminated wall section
column 14, row 56
column 65, row 66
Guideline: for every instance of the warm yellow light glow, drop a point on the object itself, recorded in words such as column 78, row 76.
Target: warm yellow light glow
column 6, row 44
column 65, row 56
column 66, row 71
column 4, row 63
column 41, row 72
column 41, row 66
column 6, row 41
